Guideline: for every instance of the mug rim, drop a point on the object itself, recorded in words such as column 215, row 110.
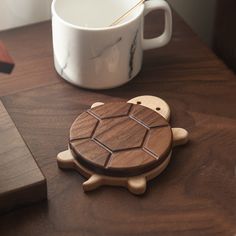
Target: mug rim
column 54, row 13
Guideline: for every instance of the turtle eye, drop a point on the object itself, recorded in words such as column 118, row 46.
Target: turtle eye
column 158, row 108
column 138, row 102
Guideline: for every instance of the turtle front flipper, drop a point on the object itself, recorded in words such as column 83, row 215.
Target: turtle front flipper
column 65, row 160
column 137, row 185
column 180, row 136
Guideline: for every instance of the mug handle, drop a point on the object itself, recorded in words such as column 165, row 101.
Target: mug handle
column 163, row 39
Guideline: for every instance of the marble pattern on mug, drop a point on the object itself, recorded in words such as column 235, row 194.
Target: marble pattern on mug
column 63, row 68
column 106, row 48
column 131, row 53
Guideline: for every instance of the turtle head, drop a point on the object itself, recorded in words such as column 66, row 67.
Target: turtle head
column 97, row 104
column 155, row 103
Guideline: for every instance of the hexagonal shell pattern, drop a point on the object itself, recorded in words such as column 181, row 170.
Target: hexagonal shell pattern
column 120, row 133
column 120, row 139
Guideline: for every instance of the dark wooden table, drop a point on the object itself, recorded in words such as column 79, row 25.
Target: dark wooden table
column 196, row 195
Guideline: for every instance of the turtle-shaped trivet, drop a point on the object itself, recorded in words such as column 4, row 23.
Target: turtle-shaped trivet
column 122, row 144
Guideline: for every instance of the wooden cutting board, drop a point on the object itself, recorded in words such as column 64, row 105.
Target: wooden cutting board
column 21, row 180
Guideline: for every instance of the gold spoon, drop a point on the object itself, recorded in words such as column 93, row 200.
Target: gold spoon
column 127, row 13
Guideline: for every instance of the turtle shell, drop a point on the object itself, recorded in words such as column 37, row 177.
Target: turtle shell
column 120, row 139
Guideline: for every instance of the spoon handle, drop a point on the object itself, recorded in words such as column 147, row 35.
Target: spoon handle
column 127, row 13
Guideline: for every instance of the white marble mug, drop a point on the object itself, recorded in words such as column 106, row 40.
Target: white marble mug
column 90, row 53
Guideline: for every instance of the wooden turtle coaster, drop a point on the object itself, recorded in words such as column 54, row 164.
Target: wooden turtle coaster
column 122, row 144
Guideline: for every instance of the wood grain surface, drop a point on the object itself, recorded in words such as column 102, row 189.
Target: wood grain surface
column 120, row 139
column 21, row 180
column 195, row 195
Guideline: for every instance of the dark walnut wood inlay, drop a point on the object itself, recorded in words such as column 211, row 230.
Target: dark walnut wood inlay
column 159, row 140
column 83, row 126
column 105, row 111
column 120, row 133
column 90, row 150
column 120, row 139
column 146, row 117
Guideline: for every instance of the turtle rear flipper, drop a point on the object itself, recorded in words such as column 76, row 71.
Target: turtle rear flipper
column 95, row 181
